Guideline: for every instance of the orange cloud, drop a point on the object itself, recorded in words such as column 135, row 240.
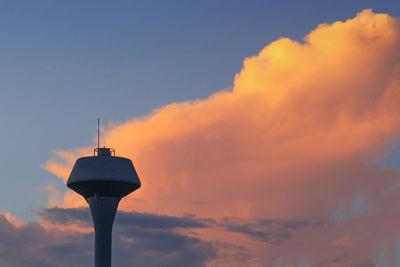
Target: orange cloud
column 293, row 139
column 14, row 221
column 342, row 241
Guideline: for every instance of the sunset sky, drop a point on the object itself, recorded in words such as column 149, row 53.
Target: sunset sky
column 264, row 133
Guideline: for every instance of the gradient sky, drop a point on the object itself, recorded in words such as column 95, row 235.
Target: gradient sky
column 64, row 64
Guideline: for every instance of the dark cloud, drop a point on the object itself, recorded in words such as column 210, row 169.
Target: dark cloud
column 32, row 245
column 130, row 219
column 61, row 216
column 268, row 231
column 138, row 239
column 137, row 224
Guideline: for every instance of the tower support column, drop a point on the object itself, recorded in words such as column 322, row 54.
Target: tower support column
column 103, row 210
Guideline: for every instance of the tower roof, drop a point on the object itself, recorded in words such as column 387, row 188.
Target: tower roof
column 103, row 174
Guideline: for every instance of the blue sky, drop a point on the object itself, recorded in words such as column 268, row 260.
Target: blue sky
column 66, row 63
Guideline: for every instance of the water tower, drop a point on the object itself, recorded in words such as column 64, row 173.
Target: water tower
column 103, row 180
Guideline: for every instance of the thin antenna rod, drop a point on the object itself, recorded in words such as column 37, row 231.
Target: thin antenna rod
column 98, row 133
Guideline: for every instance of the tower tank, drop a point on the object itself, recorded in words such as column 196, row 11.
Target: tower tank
column 103, row 180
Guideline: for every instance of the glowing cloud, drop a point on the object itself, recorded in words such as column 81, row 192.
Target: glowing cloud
column 293, row 139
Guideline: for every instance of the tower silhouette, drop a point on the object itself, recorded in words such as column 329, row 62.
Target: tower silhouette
column 103, row 180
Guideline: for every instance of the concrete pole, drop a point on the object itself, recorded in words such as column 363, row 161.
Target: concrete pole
column 103, row 209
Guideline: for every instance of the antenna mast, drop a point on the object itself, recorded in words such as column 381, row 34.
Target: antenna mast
column 98, row 133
